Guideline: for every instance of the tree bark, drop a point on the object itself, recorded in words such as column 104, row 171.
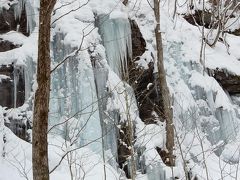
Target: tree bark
column 41, row 103
column 166, row 100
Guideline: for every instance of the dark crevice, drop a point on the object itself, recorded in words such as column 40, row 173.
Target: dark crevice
column 229, row 82
column 197, row 20
column 8, row 22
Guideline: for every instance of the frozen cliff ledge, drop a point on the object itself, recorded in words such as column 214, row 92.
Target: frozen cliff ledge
column 229, row 82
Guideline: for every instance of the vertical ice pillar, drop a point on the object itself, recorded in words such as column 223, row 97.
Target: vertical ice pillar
column 227, row 124
column 25, row 7
column 88, row 105
column 109, row 118
column 29, row 70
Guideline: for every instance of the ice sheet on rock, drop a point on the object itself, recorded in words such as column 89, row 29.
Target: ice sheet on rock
column 156, row 171
column 220, row 104
column 122, row 98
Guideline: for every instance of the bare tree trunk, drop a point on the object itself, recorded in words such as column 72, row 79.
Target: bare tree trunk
column 41, row 104
column 167, row 110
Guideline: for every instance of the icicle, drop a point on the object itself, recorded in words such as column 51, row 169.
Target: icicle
column 116, row 36
column 25, row 5
column 15, row 84
column 28, row 70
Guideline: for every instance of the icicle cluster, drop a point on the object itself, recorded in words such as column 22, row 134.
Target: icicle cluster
column 27, row 6
column 116, row 36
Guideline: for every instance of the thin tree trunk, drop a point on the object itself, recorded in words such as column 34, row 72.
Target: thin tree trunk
column 41, row 103
column 167, row 110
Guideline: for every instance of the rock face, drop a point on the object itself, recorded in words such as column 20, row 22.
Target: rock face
column 12, row 89
column 229, row 82
column 196, row 18
column 6, row 87
column 138, row 43
column 6, row 45
column 144, row 81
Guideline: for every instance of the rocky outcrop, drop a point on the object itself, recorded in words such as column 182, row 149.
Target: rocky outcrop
column 236, row 32
column 7, row 45
column 229, row 82
column 6, row 87
column 138, row 42
column 8, row 23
